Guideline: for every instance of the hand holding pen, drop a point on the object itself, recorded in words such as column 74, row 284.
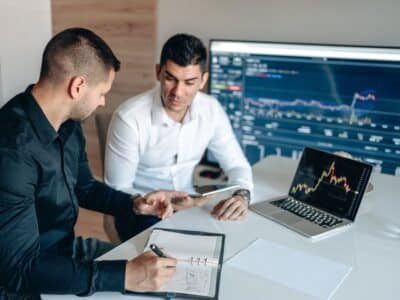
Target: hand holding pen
column 148, row 272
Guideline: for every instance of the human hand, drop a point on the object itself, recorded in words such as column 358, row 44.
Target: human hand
column 189, row 201
column 234, row 208
column 156, row 203
column 148, row 272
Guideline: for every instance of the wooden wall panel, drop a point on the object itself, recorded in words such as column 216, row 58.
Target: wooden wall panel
column 129, row 27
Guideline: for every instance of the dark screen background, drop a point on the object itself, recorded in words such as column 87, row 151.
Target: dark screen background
column 277, row 105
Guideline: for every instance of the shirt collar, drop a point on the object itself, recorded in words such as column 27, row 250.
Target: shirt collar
column 44, row 130
column 159, row 115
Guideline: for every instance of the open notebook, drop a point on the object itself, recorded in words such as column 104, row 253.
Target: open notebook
column 199, row 256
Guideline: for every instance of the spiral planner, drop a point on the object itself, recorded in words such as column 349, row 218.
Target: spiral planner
column 199, row 255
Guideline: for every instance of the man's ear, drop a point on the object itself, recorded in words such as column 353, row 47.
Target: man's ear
column 77, row 87
column 158, row 71
column 204, row 79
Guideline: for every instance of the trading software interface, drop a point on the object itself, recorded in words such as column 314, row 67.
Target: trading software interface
column 338, row 181
column 281, row 97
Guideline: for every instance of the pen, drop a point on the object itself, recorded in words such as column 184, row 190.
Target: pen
column 157, row 250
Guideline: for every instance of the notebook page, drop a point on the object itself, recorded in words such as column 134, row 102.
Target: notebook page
column 184, row 246
column 194, row 280
column 188, row 279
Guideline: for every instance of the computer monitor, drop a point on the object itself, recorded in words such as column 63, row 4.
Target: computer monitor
column 282, row 97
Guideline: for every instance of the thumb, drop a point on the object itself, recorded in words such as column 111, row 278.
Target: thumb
column 148, row 201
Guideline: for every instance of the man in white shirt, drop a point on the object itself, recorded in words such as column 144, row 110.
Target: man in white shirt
column 156, row 139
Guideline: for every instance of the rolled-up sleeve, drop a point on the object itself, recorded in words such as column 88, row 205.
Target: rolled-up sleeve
column 24, row 267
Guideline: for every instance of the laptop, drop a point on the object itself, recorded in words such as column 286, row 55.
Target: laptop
column 324, row 196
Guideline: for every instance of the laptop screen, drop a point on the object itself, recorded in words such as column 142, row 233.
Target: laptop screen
column 330, row 182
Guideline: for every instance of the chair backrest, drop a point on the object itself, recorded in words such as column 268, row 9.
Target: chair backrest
column 102, row 123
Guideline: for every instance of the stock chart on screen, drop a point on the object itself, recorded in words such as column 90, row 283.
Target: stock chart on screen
column 282, row 97
column 330, row 182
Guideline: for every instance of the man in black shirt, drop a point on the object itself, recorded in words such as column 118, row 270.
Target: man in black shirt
column 44, row 177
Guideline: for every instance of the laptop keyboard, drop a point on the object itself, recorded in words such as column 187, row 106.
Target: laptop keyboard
column 307, row 212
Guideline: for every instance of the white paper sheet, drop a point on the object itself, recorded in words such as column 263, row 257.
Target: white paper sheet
column 310, row 274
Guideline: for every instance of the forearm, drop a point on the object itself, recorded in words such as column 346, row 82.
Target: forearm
column 102, row 198
column 52, row 274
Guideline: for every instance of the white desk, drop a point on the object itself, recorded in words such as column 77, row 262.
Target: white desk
column 371, row 246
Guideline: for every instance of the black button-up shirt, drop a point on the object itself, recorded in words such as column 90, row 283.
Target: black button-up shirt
column 44, row 177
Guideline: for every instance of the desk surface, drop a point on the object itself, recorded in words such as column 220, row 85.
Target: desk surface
column 370, row 247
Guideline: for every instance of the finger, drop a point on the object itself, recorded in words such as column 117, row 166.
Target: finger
column 148, row 209
column 234, row 210
column 168, row 262
column 181, row 200
column 217, row 212
column 164, row 209
column 227, row 213
column 152, row 208
column 167, row 273
column 159, row 204
column 157, row 196
column 200, row 201
column 242, row 215
column 217, row 207
column 225, row 206
column 180, row 194
column 174, row 194
column 243, row 207
column 148, row 253
column 237, row 214
column 149, row 200
column 166, row 212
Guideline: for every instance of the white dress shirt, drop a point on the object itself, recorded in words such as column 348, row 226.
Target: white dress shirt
column 146, row 150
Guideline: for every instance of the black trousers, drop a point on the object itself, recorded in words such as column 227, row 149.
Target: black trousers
column 84, row 250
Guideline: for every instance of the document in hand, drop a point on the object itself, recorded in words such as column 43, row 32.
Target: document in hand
column 199, row 256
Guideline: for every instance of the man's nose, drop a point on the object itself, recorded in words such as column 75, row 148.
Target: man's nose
column 178, row 89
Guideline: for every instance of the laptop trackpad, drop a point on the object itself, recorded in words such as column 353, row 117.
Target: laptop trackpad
column 286, row 217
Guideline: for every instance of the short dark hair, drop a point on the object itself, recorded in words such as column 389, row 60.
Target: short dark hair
column 184, row 50
column 77, row 51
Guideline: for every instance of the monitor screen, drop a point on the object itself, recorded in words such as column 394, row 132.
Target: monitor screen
column 333, row 183
column 282, row 97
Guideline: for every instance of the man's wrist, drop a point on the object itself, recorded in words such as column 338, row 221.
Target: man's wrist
column 135, row 198
column 244, row 193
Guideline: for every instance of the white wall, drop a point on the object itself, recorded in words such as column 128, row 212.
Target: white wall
column 356, row 22
column 25, row 28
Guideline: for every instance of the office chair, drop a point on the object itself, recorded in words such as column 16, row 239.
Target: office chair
column 102, row 122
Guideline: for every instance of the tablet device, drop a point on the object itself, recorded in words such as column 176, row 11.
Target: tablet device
column 214, row 189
